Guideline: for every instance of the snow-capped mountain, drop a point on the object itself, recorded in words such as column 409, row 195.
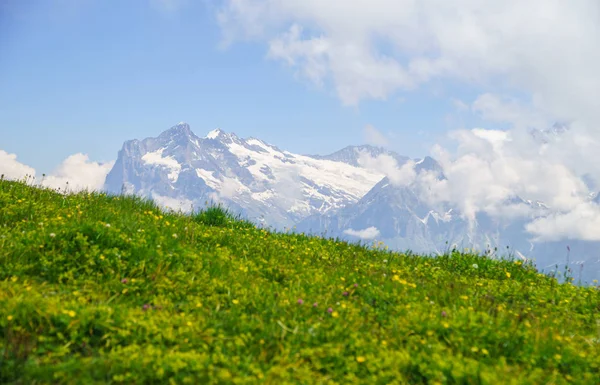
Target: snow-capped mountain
column 249, row 176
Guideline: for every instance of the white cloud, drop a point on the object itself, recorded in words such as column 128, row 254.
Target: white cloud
column 398, row 175
column 354, row 72
column 77, row 170
column 492, row 166
column 368, row 233
column 11, row 168
column 374, row 137
column 176, row 204
column 80, row 173
column 582, row 223
column 371, row 49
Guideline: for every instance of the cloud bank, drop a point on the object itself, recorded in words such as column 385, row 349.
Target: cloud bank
column 11, row 168
column 372, row 48
column 75, row 173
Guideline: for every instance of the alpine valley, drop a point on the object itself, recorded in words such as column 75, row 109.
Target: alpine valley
column 346, row 195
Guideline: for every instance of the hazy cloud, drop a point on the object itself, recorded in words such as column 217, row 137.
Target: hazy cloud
column 505, row 109
column 398, row 175
column 368, row 233
column 582, row 223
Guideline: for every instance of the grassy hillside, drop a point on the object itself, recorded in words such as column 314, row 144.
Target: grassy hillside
column 97, row 289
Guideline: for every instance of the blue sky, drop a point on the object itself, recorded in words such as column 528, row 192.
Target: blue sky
column 84, row 76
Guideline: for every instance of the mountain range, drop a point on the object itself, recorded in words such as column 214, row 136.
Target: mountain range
column 344, row 195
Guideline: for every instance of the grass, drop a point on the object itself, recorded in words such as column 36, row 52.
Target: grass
column 105, row 289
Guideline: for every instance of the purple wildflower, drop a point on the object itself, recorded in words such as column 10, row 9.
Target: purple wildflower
column 329, row 310
column 300, row 301
column 356, row 285
column 444, row 314
column 124, row 280
column 345, row 294
column 146, row 307
column 315, row 304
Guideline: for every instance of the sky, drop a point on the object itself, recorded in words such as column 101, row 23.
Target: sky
column 85, row 76
column 464, row 81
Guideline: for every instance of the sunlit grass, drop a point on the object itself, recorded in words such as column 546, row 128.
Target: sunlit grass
column 97, row 288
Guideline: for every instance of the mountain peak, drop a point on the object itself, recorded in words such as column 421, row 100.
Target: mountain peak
column 214, row 133
column 179, row 128
column 222, row 136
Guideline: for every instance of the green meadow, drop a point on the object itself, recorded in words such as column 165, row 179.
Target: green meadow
column 105, row 289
